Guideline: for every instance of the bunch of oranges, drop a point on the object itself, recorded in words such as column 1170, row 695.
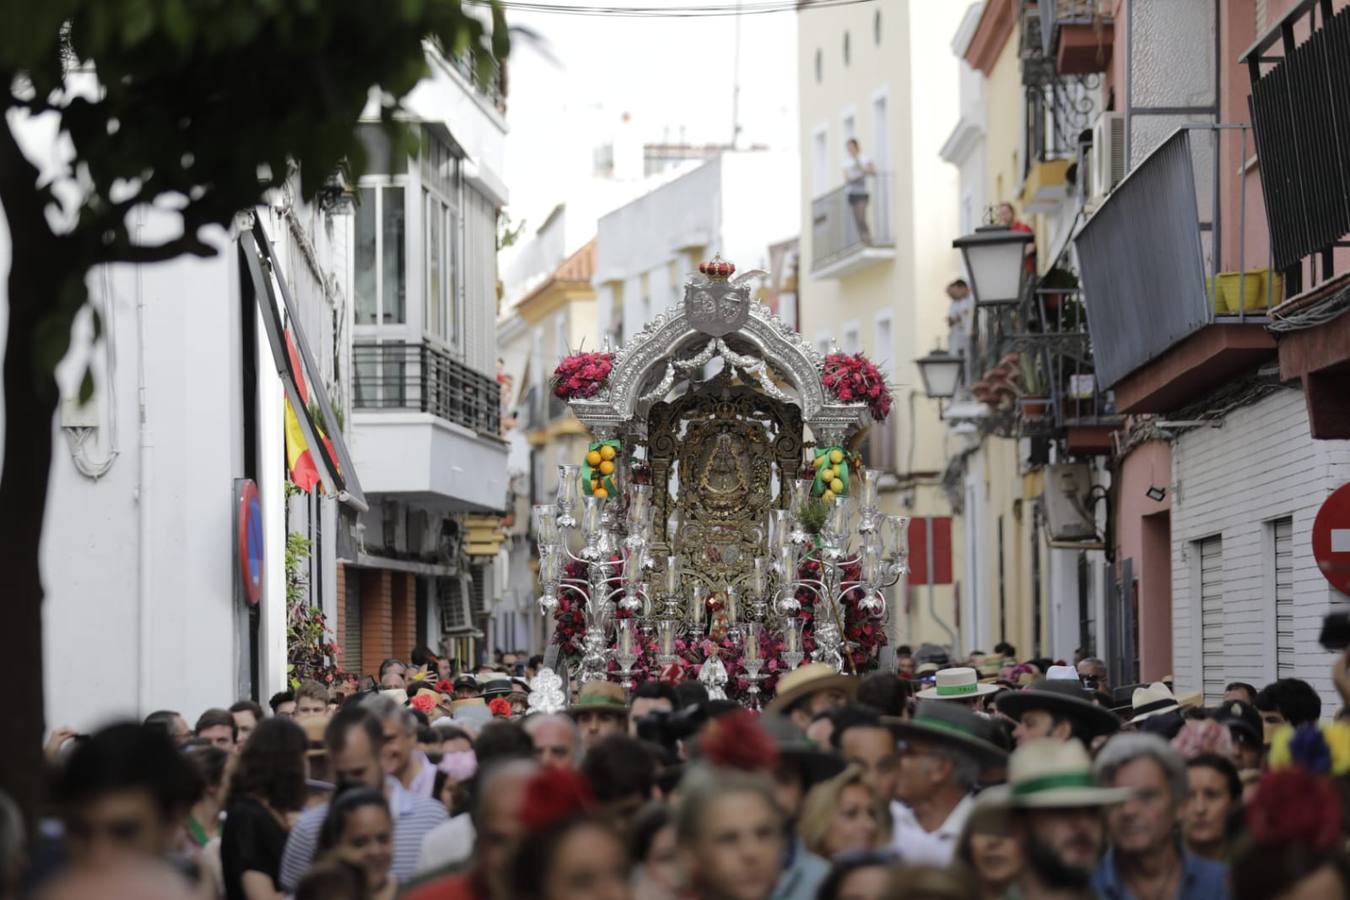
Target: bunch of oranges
column 829, row 468
column 601, row 464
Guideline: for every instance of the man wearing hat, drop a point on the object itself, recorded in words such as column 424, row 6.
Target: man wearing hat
column 942, row 750
column 599, row 711
column 801, row 764
column 809, row 690
column 1056, row 814
column 957, row 685
column 1246, row 728
column 466, row 687
column 1056, row 708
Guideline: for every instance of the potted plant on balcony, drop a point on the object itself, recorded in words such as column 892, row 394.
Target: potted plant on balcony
column 1054, row 289
column 1035, row 399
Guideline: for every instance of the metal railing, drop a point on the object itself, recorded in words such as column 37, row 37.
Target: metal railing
column 1301, row 113
column 850, row 218
column 399, row 375
column 1156, row 262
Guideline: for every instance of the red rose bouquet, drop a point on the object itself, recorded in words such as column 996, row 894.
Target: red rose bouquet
column 856, row 379
column 581, row 375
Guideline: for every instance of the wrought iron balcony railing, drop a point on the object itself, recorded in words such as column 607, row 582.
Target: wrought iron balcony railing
column 1301, row 115
column 851, row 218
column 423, row 377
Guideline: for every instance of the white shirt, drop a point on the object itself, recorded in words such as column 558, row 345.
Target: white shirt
column 855, row 170
column 447, row 843
column 931, row 848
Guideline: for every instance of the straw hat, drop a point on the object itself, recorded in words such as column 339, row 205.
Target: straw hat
column 1056, row 774
column 599, row 696
column 1153, row 700
column 1061, row 696
column 952, row 725
column 314, row 727
column 809, row 679
column 958, row 683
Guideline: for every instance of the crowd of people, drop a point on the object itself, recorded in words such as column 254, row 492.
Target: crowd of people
column 990, row 778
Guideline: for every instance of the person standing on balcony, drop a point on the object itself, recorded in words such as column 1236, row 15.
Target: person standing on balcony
column 1007, row 217
column 856, row 169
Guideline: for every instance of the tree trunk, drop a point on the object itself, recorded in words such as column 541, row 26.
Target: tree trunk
column 30, row 396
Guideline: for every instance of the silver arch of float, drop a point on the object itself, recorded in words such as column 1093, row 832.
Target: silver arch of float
column 649, row 365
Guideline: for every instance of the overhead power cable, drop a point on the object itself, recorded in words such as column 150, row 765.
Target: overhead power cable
column 679, row 11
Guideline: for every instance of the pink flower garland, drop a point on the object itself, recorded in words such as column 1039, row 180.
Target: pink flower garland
column 855, row 379
column 581, row 375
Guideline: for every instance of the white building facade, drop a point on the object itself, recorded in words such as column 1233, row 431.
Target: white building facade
column 141, row 560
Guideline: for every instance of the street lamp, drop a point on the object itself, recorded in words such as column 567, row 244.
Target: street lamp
column 994, row 257
column 941, row 373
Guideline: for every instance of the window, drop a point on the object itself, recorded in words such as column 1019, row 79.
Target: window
column 646, row 297
column 1211, row 617
column 824, row 342
column 1283, row 534
column 820, row 160
column 881, row 134
column 846, row 49
column 820, row 66
column 883, row 351
column 849, row 124
column 439, row 234
column 381, row 274
column 673, row 277
column 852, row 338
column 876, row 27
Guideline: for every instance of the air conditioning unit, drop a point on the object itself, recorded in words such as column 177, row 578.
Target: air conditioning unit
column 1108, row 155
column 1068, row 515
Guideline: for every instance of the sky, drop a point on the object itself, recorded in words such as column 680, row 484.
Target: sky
column 674, row 77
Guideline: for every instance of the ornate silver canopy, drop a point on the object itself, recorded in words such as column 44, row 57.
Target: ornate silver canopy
column 672, row 349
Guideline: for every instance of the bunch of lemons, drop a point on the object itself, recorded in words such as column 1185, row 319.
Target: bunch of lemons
column 827, row 466
column 602, row 465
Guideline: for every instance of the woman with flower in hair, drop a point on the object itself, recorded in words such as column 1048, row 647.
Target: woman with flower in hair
column 1295, row 847
column 567, row 850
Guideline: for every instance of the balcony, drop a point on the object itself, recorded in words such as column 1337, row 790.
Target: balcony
column 1059, row 106
column 1301, row 115
column 851, row 229
column 1175, row 308
column 1078, row 34
column 427, row 427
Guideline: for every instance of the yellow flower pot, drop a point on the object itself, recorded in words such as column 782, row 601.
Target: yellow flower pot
column 1230, row 298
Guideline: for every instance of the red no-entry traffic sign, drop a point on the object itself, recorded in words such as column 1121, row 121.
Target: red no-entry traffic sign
column 1331, row 539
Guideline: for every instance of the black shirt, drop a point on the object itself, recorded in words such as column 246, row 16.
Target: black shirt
column 251, row 841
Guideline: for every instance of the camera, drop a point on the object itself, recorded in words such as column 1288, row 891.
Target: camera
column 669, row 728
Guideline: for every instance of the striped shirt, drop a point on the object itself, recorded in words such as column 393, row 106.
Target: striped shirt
column 413, row 817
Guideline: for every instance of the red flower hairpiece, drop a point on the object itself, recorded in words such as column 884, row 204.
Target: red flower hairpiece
column 1293, row 806
column 552, row 795
column 736, row 741
column 500, row 707
column 445, row 686
column 423, row 702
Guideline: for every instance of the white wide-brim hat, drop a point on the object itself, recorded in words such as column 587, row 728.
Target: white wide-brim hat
column 959, row 683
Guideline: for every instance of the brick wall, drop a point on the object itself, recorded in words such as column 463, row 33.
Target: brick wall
column 377, row 619
column 403, row 618
column 340, row 620
column 1235, row 481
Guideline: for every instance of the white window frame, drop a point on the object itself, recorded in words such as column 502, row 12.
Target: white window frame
column 882, row 355
column 411, row 225
column 880, row 160
column 852, row 340
column 820, row 159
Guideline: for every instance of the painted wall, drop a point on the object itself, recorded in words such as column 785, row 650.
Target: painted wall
column 1143, row 535
column 1233, row 481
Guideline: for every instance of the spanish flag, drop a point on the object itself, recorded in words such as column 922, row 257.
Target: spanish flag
column 299, row 459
